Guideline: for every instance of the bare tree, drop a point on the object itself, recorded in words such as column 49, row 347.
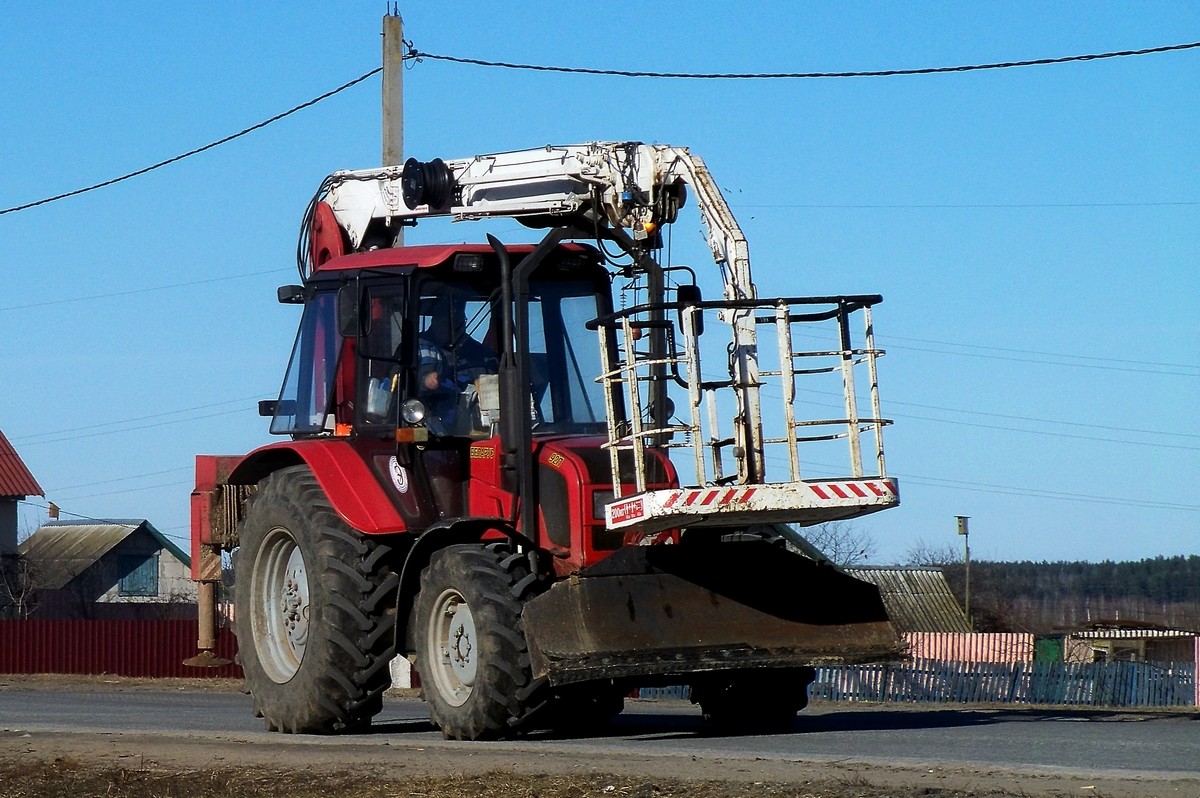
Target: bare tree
column 931, row 554
column 18, row 587
column 842, row 542
column 82, row 593
column 992, row 610
column 174, row 604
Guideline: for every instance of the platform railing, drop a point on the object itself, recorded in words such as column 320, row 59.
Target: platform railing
column 723, row 375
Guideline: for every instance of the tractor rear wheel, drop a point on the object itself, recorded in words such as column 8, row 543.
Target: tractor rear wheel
column 471, row 649
column 758, row 702
column 315, row 610
column 583, row 709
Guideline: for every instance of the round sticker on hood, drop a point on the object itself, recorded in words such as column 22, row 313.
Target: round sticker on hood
column 399, row 474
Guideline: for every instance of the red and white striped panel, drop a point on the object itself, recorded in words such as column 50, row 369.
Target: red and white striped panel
column 774, row 502
column 863, row 489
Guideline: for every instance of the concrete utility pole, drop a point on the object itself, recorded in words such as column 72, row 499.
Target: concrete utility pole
column 393, row 89
column 393, row 94
column 966, row 533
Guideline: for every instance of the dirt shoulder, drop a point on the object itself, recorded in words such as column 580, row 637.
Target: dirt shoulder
column 137, row 765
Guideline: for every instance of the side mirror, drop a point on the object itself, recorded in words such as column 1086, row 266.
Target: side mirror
column 290, row 294
column 349, row 320
column 690, row 295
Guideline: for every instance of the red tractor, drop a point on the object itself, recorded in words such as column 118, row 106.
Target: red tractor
column 542, row 498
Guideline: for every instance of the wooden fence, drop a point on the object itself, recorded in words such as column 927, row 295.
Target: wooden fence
column 1110, row 684
column 970, row 646
column 121, row 648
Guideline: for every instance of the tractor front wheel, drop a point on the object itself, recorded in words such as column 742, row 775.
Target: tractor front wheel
column 471, row 650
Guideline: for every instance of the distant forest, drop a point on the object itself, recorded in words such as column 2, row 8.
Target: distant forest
column 1046, row 597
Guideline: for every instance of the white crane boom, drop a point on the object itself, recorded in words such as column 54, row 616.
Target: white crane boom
column 634, row 186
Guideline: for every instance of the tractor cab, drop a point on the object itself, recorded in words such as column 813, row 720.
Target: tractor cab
column 406, row 344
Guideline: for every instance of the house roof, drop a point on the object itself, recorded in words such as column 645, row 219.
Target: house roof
column 15, row 479
column 62, row 550
column 1127, row 630
column 917, row 599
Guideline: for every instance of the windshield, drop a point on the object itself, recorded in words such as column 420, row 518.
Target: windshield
column 459, row 346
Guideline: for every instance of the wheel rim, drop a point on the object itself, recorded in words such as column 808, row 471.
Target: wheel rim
column 280, row 605
column 452, row 640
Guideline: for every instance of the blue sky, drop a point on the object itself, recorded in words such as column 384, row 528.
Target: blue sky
column 1035, row 232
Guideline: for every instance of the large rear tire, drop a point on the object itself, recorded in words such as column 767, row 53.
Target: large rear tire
column 315, row 610
column 762, row 702
column 471, row 649
column 583, row 709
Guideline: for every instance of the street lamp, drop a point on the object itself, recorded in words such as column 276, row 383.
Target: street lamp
column 966, row 533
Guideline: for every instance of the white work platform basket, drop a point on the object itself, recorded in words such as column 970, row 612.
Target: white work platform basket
column 767, row 406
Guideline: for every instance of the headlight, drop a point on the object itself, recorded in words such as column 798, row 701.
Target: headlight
column 413, row 411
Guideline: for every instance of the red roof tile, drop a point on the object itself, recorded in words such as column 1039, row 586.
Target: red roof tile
column 15, row 479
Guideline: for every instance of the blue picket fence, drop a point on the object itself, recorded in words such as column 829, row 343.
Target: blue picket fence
column 1098, row 684
column 1093, row 684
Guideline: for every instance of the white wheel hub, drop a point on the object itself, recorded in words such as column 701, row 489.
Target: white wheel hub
column 280, row 605
column 452, row 637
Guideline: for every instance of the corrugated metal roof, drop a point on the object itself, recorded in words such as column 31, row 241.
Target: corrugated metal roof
column 1130, row 634
column 15, row 479
column 917, row 599
column 62, row 550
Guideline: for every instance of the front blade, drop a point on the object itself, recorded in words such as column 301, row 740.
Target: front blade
column 659, row 611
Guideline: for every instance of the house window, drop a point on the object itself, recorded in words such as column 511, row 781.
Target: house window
column 138, row 574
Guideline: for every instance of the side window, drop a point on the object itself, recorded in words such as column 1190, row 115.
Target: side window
column 382, row 352
column 564, row 356
column 581, row 355
column 386, row 307
column 308, row 387
column 539, row 362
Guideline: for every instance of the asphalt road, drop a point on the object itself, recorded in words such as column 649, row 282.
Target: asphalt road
column 1126, row 743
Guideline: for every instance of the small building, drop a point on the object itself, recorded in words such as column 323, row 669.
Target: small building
column 111, row 570
column 1124, row 641
column 918, row 599
column 16, row 483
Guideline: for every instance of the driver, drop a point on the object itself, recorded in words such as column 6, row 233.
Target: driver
column 450, row 360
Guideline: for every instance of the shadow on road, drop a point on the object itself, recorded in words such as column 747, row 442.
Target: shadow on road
column 646, row 724
column 668, row 726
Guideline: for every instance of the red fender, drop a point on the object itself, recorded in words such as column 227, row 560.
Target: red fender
column 352, row 488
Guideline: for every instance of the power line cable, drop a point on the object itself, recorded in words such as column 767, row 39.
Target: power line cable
column 1000, row 428
column 882, row 73
column 23, row 439
column 884, row 342
column 198, row 150
column 1010, row 490
column 415, row 55
column 969, row 205
column 147, row 290
column 118, row 479
column 175, row 484
column 61, row 511
column 1065, row 364
column 1040, row 493
column 1036, row 420
column 1062, row 355
column 1051, row 434
column 775, row 394
column 69, row 438
column 185, row 540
